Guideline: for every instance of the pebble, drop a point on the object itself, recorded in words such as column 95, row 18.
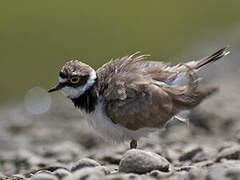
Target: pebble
column 129, row 176
column 159, row 174
column 197, row 174
column 17, row 177
column 113, row 155
column 85, row 162
column 190, row 153
column 184, row 168
column 216, row 172
column 226, row 145
column 43, row 176
column 88, row 173
column 229, row 153
column 139, row 161
column 237, row 136
column 43, row 172
column 200, row 156
column 227, row 170
column 233, row 173
column 181, row 175
column 204, row 163
column 113, row 168
column 61, row 173
column 112, row 158
column 2, row 176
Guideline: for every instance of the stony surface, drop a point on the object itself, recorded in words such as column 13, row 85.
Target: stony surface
column 60, row 145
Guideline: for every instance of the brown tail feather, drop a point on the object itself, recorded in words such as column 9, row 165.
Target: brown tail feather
column 212, row 58
column 190, row 101
column 209, row 91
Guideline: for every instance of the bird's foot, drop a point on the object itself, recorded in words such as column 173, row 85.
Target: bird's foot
column 133, row 144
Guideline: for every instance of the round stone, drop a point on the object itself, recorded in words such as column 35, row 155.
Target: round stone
column 139, row 161
column 43, row 176
column 229, row 153
column 61, row 173
column 84, row 162
column 88, row 173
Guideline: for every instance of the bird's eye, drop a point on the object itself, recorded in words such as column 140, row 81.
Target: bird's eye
column 75, row 80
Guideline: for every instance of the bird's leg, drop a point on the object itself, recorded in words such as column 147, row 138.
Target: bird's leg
column 133, row 144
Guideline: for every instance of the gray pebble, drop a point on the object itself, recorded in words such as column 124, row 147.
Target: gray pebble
column 190, row 153
column 112, row 168
column 43, row 176
column 179, row 175
column 139, row 161
column 43, row 172
column 216, row 172
column 2, row 177
column 237, row 136
column 184, row 168
column 197, row 174
column 229, row 153
column 88, row 173
column 112, row 155
column 233, row 173
column 200, row 156
column 18, row 177
column 129, row 176
column 159, row 174
column 85, row 162
column 62, row 173
column 112, row 158
column 204, row 163
column 226, row 145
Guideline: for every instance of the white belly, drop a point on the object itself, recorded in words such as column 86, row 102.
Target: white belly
column 110, row 131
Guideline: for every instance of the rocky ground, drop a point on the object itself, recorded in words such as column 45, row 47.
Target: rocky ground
column 60, row 145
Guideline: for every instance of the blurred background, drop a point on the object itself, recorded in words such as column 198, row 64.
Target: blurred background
column 38, row 37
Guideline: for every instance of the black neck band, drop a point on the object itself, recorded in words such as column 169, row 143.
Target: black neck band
column 87, row 101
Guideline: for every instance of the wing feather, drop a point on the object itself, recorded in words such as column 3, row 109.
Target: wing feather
column 143, row 104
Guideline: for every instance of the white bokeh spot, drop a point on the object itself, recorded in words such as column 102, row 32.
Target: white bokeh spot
column 37, row 101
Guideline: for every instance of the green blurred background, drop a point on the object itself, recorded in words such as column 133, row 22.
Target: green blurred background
column 38, row 36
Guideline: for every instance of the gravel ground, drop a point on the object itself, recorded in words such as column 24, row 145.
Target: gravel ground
column 60, row 145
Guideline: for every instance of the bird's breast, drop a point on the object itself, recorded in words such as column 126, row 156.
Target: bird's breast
column 110, row 131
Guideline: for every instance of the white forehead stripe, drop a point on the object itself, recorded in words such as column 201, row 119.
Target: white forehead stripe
column 61, row 80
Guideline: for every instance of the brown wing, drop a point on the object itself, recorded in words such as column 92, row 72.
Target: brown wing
column 134, row 102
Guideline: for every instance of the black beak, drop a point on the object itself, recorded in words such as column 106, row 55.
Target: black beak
column 56, row 88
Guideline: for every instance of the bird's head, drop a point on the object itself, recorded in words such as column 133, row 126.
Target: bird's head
column 75, row 78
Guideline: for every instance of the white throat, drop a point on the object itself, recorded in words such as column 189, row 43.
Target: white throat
column 75, row 92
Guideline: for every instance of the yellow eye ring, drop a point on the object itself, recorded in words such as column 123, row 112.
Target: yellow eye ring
column 75, row 80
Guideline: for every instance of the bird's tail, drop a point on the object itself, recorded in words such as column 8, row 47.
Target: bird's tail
column 187, row 95
column 211, row 58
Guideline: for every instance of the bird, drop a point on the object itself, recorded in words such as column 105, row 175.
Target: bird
column 130, row 97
